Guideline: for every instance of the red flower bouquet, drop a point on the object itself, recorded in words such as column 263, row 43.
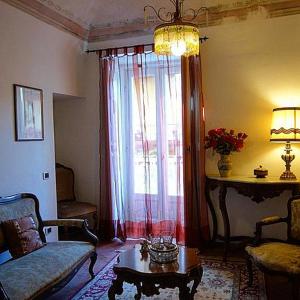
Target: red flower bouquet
column 224, row 142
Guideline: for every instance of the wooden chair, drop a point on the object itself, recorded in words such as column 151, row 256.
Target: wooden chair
column 67, row 205
column 279, row 257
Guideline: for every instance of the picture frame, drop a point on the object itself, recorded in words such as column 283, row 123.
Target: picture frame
column 29, row 122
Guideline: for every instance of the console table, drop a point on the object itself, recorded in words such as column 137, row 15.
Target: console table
column 257, row 189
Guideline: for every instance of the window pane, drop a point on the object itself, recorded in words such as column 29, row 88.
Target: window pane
column 144, row 136
column 174, row 135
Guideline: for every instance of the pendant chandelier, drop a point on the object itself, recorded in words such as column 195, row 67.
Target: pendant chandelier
column 177, row 35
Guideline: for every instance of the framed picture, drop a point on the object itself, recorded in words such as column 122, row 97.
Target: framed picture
column 28, row 113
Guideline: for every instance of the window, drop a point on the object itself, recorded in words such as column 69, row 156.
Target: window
column 146, row 140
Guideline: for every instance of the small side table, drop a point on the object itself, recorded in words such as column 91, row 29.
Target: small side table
column 257, row 189
column 149, row 277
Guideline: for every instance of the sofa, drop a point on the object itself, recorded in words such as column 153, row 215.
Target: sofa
column 44, row 271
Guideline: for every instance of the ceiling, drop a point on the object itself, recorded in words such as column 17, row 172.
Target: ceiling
column 98, row 20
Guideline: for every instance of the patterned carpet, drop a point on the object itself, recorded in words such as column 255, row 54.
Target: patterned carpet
column 223, row 281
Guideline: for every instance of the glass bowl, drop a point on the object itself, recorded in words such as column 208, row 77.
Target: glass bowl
column 163, row 253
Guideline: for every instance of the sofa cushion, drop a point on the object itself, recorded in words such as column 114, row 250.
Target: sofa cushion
column 14, row 210
column 21, row 236
column 30, row 275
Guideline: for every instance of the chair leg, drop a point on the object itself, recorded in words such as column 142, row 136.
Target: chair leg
column 95, row 219
column 295, row 287
column 250, row 271
column 92, row 264
column 66, row 232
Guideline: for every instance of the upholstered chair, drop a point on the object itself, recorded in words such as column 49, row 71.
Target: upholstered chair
column 279, row 257
column 67, row 205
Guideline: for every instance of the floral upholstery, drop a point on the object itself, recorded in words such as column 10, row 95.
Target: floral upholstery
column 277, row 256
column 70, row 209
column 15, row 210
column 42, row 268
column 295, row 219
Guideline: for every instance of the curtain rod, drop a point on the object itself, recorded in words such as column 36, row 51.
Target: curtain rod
column 117, row 48
column 202, row 40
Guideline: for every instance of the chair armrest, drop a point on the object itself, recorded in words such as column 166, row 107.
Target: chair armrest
column 65, row 222
column 272, row 220
column 264, row 222
column 80, row 223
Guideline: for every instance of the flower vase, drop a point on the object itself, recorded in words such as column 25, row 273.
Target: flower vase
column 225, row 165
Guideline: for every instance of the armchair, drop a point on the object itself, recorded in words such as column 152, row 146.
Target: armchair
column 68, row 207
column 278, row 257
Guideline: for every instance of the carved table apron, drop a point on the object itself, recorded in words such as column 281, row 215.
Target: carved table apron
column 257, row 189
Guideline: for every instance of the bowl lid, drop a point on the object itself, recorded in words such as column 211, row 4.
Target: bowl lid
column 260, row 168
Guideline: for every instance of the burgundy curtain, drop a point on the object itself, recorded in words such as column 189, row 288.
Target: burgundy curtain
column 106, row 228
column 196, row 214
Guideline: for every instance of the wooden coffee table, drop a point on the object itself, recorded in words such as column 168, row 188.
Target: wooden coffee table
column 148, row 277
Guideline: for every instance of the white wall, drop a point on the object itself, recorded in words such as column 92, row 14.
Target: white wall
column 76, row 123
column 250, row 68
column 35, row 54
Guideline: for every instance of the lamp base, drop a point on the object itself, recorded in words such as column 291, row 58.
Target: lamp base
column 288, row 158
column 288, row 175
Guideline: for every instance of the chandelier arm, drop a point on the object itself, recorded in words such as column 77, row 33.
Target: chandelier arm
column 195, row 13
column 173, row 2
column 167, row 14
column 171, row 15
column 203, row 8
column 157, row 13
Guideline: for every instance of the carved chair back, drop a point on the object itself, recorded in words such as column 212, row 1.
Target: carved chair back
column 64, row 183
column 294, row 219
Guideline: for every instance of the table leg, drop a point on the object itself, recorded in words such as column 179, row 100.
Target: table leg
column 197, row 280
column 223, row 208
column 212, row 211
column 184, row 292
column 116, row 288
column 138, row 295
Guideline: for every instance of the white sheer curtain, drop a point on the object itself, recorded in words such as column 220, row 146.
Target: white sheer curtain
column 145, row 143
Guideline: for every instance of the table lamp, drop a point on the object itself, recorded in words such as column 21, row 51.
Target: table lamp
column 285, row 128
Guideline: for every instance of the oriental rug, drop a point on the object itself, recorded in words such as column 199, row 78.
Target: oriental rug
column 220, row 281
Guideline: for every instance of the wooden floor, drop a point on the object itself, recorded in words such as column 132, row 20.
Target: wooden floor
column 277, row 288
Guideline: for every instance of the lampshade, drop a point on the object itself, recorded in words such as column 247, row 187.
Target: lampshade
column 285, row 124
column 176, row 39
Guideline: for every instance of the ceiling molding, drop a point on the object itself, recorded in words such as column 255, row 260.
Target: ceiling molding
column 66, row 12
column 217, row 15
column 46, row 14
column 134, row 28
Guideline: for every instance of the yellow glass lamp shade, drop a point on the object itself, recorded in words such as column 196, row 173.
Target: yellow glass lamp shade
column 176, row 39
column 286, row 128
column 285, row 124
